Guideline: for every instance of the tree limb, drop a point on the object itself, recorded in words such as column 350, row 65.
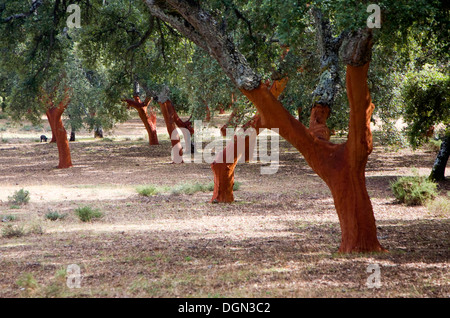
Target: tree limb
column 34, row 6
column 199, row 26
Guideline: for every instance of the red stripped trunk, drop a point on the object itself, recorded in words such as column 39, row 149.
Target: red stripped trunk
column 225, row 163
column 168, row 114
column 150, row 125
column 149, row 120
column 54, row 115
column 52, row 126
column 342, row 166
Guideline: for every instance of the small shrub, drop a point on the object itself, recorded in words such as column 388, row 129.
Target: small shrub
column 10, row 231
column 148, row 190
column 27, row 282
column 236, row 186
column 8, row 218
column 20, row 197
column 87, row 214
column 53, row 216
column 191, row 188
column 414, row 190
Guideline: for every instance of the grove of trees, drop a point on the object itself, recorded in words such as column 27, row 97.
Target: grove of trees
column 306, row 68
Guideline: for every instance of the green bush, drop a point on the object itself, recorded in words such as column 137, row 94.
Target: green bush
column 148, row 190
column 87, row 214
column 53, row 216
column 19, row 197
column 236, row 185
column 414, row 190
column 8, row 218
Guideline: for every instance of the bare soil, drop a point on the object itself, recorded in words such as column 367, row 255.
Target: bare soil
column 279, row 239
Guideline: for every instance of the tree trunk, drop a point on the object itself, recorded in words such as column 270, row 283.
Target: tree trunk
column 98, row 132
column 72, row 136
column 223, row 167
column 149, row 120
column 342, row 167
column 54, row 115
column 150, row 125
column 168, row 114
column 186, row 129
column 208, row 114
column 52, row 126
column 438, row 171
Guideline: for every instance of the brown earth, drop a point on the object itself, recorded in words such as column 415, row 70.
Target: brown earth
column 279, row 239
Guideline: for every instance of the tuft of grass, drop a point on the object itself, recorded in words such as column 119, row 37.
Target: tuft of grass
column 10, row 231
column 19, row 197
column 414, row 190
column 148, row 190
column 182, row 188
column 8, row 218
column 36, row 229
column 53, row 216
column 191, row 188
column 27, row 283
column 439, row 206
column 87, row 214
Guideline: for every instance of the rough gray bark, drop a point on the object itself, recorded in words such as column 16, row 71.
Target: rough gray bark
column 438, row 171
column 201, row 27
column 357, row 47
column 328, row 86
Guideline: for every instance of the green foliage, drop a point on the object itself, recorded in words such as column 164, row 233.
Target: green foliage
column 19, row 197
column 87, row 214
column 414, row 190
column 53, row 216
column 8, row 218
column 389, row 135
column 148, row 190
column 426, row 95
column 191, row 188
column 27, row 282
column 182, row 188
column 120, row 43
column 237, row 185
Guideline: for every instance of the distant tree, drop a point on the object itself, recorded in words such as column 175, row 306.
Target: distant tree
column 426, row 96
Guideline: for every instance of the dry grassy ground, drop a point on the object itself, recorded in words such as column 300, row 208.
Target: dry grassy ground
column 279, row 239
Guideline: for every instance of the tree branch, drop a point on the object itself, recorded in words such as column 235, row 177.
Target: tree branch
column 202, row 29
column 34, row 6
column 178, row 23
column 329, row 80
